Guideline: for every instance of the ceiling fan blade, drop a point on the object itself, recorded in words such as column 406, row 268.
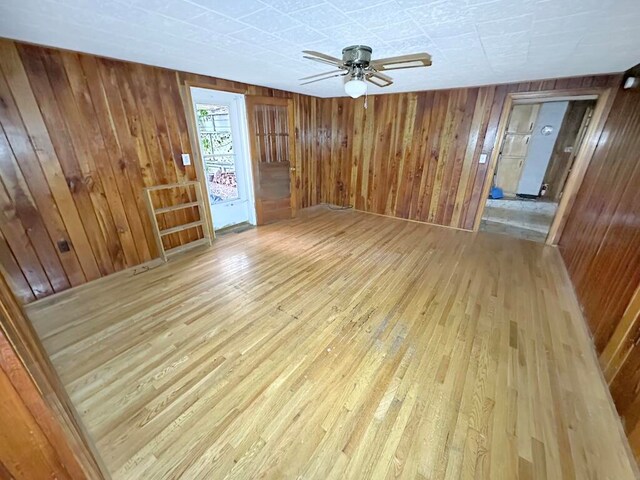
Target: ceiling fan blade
column 341, row 74
column 319, row 75
column 403, row 61
column 322, row 60
column 379, row 79
column 327, row 58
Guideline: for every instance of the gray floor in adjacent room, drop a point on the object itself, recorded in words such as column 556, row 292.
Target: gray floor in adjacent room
column 520, row 218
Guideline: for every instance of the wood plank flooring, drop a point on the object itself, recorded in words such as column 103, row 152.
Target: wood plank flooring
column 340, row 345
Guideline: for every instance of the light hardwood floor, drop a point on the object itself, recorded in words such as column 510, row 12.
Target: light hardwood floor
column 340, row 345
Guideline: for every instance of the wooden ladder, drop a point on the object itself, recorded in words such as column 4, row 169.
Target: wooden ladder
column 154, row 212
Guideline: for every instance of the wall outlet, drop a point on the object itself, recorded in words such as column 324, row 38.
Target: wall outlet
column 63, row 246
column 483, row 158
column 186, row 159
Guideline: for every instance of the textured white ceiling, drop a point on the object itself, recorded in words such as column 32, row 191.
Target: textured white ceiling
column 473, row 42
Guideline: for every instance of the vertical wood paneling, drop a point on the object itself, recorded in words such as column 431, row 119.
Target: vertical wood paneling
column 310, row 149
column 413, row 155
column 601, row 241
column 81, row 138
column 42, row 412
column 115, row 156
column 11, row 270
column 22, row 176
column 18, row 203
column 25, row 450
column 601, row 248
column 81, row 184
column 40, row 155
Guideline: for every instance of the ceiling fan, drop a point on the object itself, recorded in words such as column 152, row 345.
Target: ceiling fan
column 356, row 63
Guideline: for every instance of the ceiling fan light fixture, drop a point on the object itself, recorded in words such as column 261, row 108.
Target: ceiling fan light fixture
column 355, row 88
column 358, row 68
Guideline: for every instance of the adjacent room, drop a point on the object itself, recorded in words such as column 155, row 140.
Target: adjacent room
column 312, row 239
column 535, row 158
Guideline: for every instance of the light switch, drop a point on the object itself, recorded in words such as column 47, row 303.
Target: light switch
column 186, row 159
column 483, row 158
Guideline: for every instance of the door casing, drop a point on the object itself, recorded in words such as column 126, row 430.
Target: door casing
column 237, row 108
column 604, row 101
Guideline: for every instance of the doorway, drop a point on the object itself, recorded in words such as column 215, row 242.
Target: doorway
column 536, row 156
column 221, row 125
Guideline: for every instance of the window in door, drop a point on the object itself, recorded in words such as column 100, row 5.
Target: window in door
column 216, row 143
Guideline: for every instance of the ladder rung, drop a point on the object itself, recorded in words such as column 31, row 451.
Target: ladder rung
column 176, row 207
column 187, row 246
column 179, row 228
column 172, row 185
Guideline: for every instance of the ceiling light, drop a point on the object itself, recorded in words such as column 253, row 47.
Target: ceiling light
column 355, row 88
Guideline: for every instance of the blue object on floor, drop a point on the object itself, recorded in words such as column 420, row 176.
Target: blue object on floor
column 496, row 192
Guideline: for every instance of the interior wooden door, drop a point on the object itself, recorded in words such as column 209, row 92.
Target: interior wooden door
column 515, row 146
column 271, row 138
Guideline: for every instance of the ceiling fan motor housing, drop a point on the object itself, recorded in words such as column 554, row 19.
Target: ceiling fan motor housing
column 357, row 55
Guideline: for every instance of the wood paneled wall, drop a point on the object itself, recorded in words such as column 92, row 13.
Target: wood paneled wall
column 81, row 137
column 41, row 434
column 311, row 149
column 31, row 442
column 601, row 240
column 601, row 248
column 414, row 155
column 29, row 370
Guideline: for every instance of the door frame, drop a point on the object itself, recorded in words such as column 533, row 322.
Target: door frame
column 185, row 85
column 242, row 139
column 198, row 162
column 604, row 97
column 280, row 101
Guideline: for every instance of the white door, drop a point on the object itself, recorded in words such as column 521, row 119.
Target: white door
column 222, row 135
